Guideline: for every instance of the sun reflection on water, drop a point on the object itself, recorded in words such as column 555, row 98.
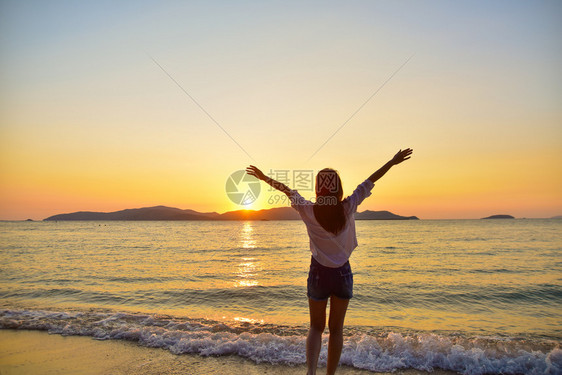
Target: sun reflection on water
column 248, row 268
column 247, row 273
column 247, row 239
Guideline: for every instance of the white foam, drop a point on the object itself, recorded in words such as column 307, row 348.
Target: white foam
column 383, row 352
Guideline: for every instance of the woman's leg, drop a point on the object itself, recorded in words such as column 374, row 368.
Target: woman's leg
column 317, row 311
column 338, row 308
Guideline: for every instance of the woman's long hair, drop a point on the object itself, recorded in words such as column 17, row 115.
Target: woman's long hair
column 328, row 208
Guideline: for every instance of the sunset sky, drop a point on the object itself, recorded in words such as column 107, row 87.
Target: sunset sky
column 88, row 121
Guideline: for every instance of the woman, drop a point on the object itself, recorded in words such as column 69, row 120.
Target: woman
column 331, row 229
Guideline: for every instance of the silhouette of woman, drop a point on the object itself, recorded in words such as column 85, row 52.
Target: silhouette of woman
column 331, row 229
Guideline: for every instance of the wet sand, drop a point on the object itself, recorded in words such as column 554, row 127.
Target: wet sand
column 37, row 352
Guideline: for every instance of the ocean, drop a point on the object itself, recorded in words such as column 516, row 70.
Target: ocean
column 470, row 296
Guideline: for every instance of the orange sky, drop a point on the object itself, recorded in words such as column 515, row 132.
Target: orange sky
column 89, row 122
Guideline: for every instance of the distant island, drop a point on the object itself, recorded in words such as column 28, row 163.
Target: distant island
column 499, row 217
column 381, row 215
column 171, row 213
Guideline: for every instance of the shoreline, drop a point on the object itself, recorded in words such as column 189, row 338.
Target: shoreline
column 38, row 352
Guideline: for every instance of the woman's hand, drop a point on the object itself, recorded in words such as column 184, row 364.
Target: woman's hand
column 402, row 155
column 254, row 171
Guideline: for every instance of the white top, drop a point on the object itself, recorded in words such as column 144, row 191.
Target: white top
column 328, row 249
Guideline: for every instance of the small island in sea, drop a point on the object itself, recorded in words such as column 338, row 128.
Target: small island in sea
column 171, row 213
column 499, row 217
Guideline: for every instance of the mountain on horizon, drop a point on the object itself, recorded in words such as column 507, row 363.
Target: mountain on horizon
column 145, row 213
column 381, row 215
column 172, row 213
column 502, row 216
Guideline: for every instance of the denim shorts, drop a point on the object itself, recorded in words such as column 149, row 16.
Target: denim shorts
column 324, row 282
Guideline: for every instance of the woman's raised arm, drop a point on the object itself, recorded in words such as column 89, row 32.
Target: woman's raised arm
column 255, row 171
column 397, row 159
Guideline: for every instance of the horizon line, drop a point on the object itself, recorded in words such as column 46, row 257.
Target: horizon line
column 264, row 209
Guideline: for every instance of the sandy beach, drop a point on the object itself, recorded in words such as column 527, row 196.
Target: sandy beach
column 36, row 352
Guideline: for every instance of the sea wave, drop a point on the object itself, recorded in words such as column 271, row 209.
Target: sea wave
column 375, row 350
